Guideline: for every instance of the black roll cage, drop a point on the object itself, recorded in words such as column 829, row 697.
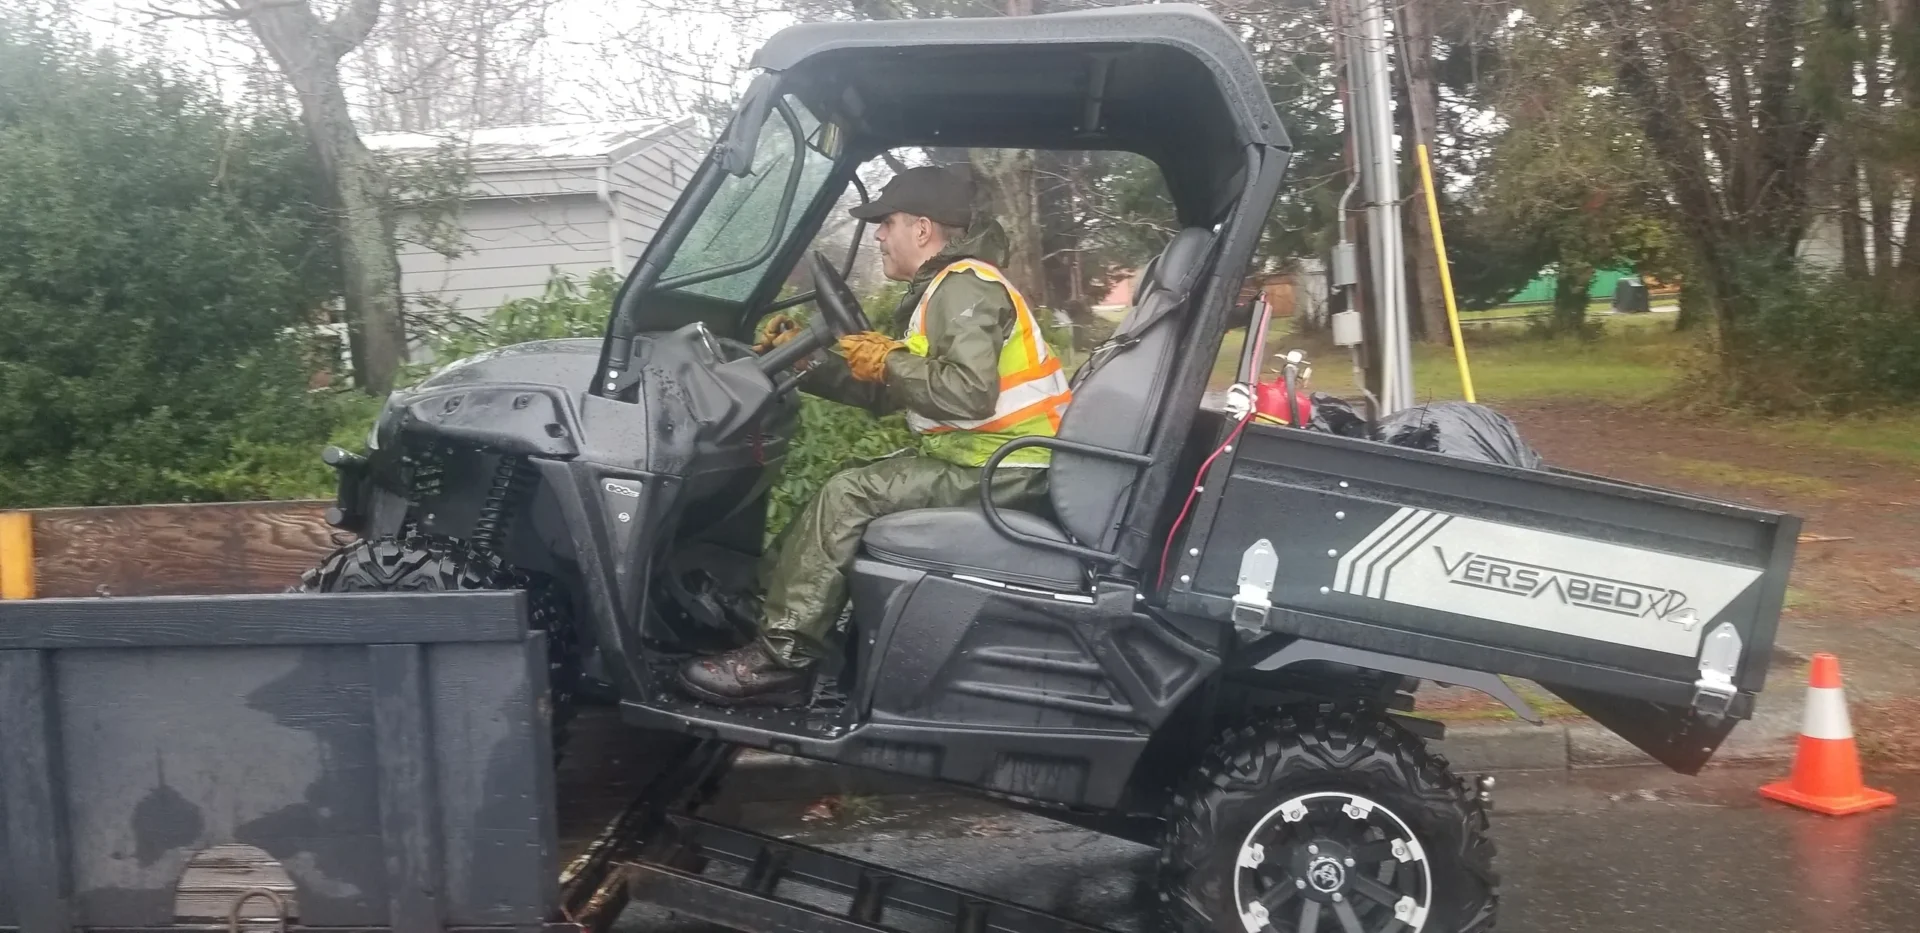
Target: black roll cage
column 1266, row 155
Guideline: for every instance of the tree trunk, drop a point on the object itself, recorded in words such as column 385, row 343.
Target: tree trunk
column 1880, row 199
column 1059, row 241
column 1853, row 233
column 1735, row 225
column 1879, row 186
column 1570, row 289
column 1007, row 175
column 308, row 52
column 1013, row 193
column 370, row 267
column 1059, row 197
column 1423, row 107
column 1693, row 305
column 1903, row 41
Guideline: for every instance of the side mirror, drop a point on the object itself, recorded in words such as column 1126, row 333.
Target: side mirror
column 736, row 147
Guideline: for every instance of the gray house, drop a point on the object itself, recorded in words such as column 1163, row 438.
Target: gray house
column 1822, row 248
column 572, row 197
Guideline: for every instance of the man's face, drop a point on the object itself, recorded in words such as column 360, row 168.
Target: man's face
column 905, row 243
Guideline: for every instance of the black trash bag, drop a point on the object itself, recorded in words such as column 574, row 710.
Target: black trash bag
column 1334, row 415
column 1458, row 429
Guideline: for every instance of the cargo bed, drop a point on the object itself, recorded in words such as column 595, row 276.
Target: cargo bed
column 1652, row 611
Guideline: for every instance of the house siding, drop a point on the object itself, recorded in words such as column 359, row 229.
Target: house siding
column 646, row 184
column 511, row 248
column 1822, row 248
column 524, row 219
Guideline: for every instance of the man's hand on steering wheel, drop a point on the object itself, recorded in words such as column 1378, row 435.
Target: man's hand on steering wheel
column 785, row 344
column 776, row 331
column 866, row 350
column 866, row 354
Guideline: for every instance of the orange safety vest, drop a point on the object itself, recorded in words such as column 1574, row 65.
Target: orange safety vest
column 1033, row 390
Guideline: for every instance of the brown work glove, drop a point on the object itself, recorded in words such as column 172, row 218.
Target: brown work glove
column 866, row 354
column 776, row 331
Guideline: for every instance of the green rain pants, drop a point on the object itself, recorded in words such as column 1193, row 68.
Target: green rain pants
column 805, row 576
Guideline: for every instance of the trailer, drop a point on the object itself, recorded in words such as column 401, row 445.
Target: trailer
column 372, row 763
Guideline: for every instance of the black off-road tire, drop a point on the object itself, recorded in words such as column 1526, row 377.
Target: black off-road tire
column 434, row 565
column 1254, row 772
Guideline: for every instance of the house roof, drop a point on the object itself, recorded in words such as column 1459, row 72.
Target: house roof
column 535, row 142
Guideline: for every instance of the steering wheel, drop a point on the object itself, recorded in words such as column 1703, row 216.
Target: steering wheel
column 839, row 316
column 837, row 303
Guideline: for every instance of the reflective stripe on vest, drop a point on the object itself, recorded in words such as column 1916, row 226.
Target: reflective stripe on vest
column 1032, row 387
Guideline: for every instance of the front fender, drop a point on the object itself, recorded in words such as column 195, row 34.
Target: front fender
column 523, row 419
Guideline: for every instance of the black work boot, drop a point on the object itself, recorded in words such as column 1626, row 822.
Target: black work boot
column 748, row 676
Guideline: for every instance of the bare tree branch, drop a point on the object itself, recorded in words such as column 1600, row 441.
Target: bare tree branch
column 224, row 11
column 157, row 14
column 1678, row 29
column 352, row 24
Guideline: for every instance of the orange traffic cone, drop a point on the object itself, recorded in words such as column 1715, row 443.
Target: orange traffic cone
column 1826, row 769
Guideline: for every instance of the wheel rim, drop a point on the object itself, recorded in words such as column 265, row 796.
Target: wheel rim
column 1335, row 862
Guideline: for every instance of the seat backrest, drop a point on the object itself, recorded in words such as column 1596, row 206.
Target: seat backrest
column 1116, row 395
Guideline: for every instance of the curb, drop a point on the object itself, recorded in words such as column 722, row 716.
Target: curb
column 1520, row 746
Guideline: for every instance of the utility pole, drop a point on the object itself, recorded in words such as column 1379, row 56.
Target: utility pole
column 1347, row 289
column 1370, row 122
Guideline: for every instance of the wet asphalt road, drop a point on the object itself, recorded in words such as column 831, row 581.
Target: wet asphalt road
column 1612, row 851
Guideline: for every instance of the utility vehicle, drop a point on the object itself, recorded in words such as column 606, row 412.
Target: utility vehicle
column 1210, row 641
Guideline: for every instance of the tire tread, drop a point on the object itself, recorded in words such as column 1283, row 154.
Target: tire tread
column 1309, row 744
column 421, row 563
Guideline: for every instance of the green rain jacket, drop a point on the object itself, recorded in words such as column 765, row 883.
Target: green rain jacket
column 968, row 321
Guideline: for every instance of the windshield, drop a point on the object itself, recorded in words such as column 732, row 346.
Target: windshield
column 737, row 230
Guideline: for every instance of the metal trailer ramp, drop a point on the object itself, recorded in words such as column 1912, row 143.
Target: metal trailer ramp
column 767, row 870
column 659, row 851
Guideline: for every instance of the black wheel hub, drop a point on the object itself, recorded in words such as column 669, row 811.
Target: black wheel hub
column 1324, row 866
column 1332, row 861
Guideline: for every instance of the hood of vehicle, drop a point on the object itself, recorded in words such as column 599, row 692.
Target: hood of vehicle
column 564, row 363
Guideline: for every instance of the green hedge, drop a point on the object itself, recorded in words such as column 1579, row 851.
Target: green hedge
column 162, row 261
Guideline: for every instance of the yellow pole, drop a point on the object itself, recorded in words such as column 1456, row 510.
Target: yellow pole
column 16, row 555
column 1446, row 275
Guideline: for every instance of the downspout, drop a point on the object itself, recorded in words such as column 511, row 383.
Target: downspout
column 604, row 179
column 1346, row 245
column 610, row 197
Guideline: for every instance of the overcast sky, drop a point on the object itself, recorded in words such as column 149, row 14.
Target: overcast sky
column 601, row 60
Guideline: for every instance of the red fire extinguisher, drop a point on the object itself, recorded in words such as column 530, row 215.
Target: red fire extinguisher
column 1285, row 400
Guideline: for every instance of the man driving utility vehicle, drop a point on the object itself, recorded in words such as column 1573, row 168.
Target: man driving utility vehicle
column 970, row 366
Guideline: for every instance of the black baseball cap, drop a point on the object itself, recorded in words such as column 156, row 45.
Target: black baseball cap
column 942, row 195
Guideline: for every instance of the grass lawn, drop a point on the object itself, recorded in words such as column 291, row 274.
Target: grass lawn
column 1637, row 359
column 1792, row 485
column 1894, row 434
